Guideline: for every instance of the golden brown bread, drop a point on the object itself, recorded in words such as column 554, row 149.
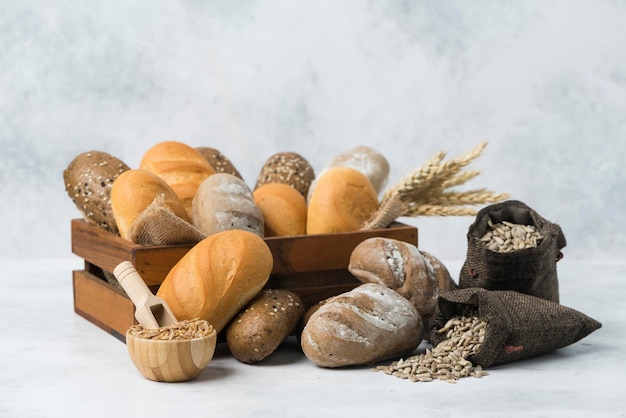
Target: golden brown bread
column 181, row 166
column 343, row 201
column 133, row 191
column 258, row 330
column 218, row 277
column 283, row 208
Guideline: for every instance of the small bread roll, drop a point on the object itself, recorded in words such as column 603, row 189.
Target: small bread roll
column 368, row 324
column 133, row 191
column 219, row 162
column 217, row 277
column 287, row 168
column 401, row 266
column 182, row 167
column 283, row 208
column 343, row 201
column 225, row 202
column 364, row 159
column 258, row 330
column 88, row 181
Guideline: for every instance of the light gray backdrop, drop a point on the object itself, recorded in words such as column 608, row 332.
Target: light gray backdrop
column 544, row 82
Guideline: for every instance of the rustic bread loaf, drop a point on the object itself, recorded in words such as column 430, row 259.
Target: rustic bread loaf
column 181, row 166
column 343, row 201
column 401, row 266
column 368, row 324
column 284, row 209
column 287, row 168
column 224, row 202
column 258, row 330
column 217, row 277
column 219, row 162
column 88, row 181
column 133, row 191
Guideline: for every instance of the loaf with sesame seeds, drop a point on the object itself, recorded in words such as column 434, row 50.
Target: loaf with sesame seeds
column 258, row 330
column 288, row 168
column 88, row 181
column 219, row 161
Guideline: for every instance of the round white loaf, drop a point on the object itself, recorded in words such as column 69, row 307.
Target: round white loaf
column 368, row 324
column 224, row 202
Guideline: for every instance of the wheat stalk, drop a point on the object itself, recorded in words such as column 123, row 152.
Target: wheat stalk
column 425, row 192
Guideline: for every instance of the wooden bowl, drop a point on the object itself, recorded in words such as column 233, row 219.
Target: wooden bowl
column 171, row 361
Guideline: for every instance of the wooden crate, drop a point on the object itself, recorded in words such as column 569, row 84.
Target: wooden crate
column 312, row 266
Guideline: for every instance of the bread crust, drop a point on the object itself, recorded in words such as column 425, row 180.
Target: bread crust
column 223, row 202
column 258, row 330
column 181, row 166
column 343, row 201
column 368, row 324
column 217, row 277
column 284, row 209
column 133, row 191
column 401, row 266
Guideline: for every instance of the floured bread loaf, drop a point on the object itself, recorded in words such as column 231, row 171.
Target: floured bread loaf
column 368, row 324
column 343, row 201
column 218, row 277
column 283, row 208
column 181, row 166
column 401, row 266
column 224, row 202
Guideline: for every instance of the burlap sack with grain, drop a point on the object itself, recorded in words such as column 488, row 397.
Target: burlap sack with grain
column 519, row 326
column 531, row 270
column 158, row 225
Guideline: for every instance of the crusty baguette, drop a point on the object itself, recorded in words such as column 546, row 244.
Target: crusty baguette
column 217, row 277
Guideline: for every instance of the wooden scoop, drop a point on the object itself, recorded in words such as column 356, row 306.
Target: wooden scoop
column 150, row 311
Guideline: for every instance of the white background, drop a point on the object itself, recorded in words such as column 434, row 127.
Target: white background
column 543, row 82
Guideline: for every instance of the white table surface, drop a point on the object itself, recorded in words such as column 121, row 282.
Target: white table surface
column 55, row 363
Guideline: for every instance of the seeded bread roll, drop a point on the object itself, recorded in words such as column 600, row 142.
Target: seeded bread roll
column 182, row 167
column 417, row 276
column 343, row 201
column 258, row 330
column 365, row 159
column 287, row 168
column 219, row 162
column 368, row 324
column 225, row 202
column 283, row 208
column 88, row 181
column 217, row 277
column 133, row 191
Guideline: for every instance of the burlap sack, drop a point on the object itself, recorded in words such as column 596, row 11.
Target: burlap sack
column 158, row 225
column 519, row 326
column 531, row 270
